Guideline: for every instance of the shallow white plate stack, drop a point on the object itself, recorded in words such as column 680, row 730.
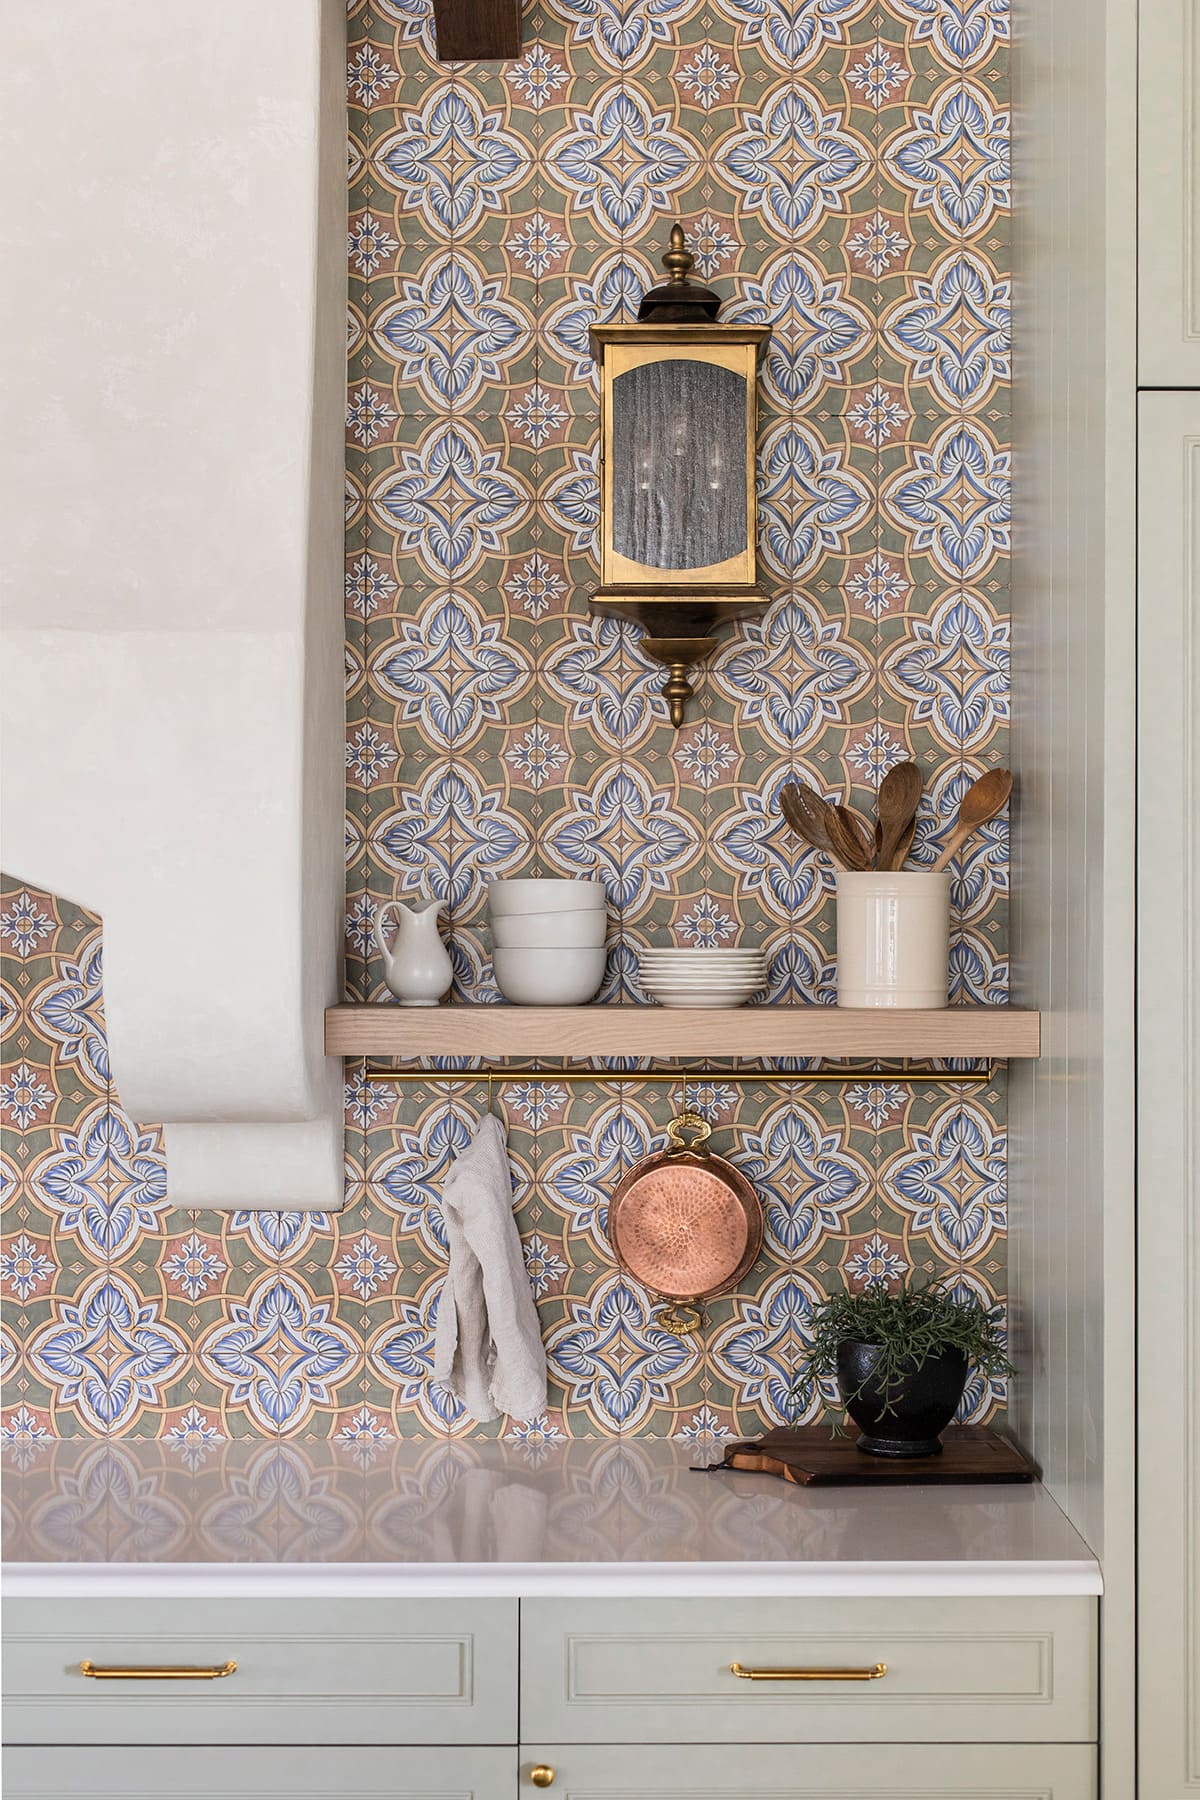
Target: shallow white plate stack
column 703, row 977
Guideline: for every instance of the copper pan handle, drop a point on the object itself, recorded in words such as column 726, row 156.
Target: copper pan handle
column 681, row 1318
column 695, row 1124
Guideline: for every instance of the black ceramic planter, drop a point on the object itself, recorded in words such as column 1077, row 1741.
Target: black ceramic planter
column 920, row 1408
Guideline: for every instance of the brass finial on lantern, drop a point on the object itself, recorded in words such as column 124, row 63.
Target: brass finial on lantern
column 679, row 300
column 679, row 260
column 678, row 419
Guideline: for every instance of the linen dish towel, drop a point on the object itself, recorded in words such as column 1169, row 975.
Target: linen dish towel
column 487, row 1346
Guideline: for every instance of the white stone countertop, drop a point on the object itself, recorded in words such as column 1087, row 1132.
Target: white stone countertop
column 440, row 1517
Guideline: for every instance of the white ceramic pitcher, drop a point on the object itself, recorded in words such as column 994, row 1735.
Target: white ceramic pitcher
column 417, row 965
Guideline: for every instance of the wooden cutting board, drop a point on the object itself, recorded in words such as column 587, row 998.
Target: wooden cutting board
column 812, row 1457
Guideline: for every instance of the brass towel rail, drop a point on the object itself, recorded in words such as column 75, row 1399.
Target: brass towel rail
column 500, row 1075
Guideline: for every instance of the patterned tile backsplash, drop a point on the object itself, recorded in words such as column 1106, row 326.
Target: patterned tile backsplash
column 841, row 169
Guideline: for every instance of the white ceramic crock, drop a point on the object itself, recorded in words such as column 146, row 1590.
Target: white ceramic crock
column 893, row 938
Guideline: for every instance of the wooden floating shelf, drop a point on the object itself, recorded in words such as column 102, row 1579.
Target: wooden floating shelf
column 746, row 1032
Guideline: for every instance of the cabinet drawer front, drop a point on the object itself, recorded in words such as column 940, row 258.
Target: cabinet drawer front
column 611, row 1671
column 247, row 1774
column 823, row 1772
column 308, row 1671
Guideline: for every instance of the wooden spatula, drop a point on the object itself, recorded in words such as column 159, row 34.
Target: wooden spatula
column 809, row 817
column 899, row 795
column 852, row 838
column 981, row 802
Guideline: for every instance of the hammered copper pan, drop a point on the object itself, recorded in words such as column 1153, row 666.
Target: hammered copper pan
column 685, row 1223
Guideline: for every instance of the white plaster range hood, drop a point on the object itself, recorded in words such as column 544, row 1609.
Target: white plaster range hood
column 173, row 316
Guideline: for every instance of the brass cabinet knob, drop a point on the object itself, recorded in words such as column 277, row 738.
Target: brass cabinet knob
column 542, row 1775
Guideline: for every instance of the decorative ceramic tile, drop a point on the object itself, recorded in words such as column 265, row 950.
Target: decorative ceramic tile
column 842, row 172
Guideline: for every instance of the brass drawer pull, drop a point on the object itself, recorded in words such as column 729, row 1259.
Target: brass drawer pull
column 102, row 1673
column 876, row 1673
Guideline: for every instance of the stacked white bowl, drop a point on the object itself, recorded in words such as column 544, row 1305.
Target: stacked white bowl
column 703, row 977
column 548, row 939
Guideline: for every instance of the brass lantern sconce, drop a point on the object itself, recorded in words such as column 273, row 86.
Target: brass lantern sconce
column 678, row 416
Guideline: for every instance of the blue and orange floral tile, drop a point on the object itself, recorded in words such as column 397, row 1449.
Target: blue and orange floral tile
column 842, row 172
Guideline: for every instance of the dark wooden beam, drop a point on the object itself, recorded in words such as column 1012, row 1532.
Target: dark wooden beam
column 477, row 30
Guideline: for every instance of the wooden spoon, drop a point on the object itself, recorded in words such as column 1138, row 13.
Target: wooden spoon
column 809, row 817
column 851, row 836
column 899, row 795
column 981, row 802
column 905, row 845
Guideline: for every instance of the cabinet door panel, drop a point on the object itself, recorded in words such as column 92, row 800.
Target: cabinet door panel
column 1169, row 1096
column 308, row 1671
column 1169, row 194
column 247, row 1774
column 659, row 1671
column 814, row 1772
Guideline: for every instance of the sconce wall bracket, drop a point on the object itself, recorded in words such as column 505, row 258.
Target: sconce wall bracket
column 678, row 631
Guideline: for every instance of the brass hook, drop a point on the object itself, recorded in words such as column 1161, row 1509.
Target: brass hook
column 692, row 1114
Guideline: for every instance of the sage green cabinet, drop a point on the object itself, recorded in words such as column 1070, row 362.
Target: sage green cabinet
column 389, row 1699
column 308, row 1671
column 654, row 1671
column 813, row 1772
column 244, row 1773
column 581, row 1772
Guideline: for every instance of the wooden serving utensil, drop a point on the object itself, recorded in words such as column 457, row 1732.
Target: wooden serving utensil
column 981, row 802
column 866, row 834
column 851, row 837
column 905, row 845
column 899, row 796
column 809, row 817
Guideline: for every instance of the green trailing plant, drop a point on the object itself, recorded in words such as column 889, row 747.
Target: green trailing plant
column 909, row 1324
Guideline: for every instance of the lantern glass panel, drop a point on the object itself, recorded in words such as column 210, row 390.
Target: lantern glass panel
column 679, row 464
